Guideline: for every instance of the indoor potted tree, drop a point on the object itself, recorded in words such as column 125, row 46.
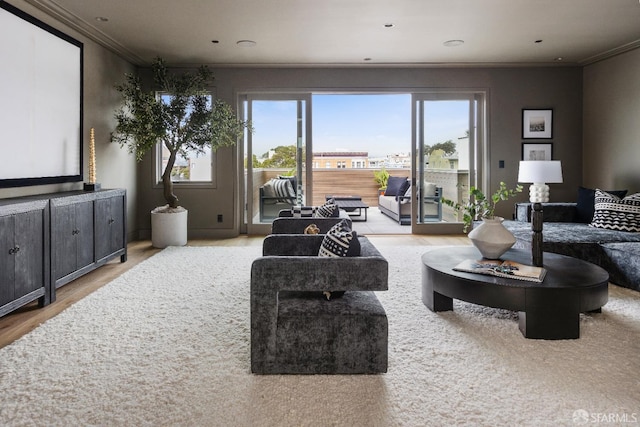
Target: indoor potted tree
column 490, row 237
column 183, row 121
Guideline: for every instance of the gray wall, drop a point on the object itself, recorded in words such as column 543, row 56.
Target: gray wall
column 115, row 167
column 612, row 123
column 509, row 91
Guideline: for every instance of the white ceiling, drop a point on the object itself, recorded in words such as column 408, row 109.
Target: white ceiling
column 345, row 32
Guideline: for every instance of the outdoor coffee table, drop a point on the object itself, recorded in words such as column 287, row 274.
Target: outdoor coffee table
column 351, row 204
column 547, row 310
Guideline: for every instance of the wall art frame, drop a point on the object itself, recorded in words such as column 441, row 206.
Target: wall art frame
column 537, row 151
column 537, row 123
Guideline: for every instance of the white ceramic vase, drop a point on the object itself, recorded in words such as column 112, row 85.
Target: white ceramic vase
column 491, row 238
column 169, row 228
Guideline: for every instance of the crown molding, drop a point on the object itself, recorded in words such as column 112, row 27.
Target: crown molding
column 62, row 15
column 610, row 53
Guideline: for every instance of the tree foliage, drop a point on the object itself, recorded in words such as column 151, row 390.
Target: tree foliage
column 284, row 156
column 449, row 147
column 183, row 121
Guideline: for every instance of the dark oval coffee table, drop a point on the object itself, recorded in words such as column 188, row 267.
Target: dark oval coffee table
column 547, row 310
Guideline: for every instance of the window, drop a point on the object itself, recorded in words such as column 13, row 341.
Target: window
column 191, row 167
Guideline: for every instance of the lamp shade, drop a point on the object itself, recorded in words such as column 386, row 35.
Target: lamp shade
column 540, row 171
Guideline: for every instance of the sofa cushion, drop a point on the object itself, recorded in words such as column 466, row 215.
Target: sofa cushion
column 394, row 183
column 586, row 202
column 340, row 241
column 328, row 210
column 407, row 196
column 402, row 191
column 269, row 192
column 613, row 213
column 280, row 188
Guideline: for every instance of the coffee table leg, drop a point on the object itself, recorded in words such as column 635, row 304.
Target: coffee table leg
column 432, row 299
column 550, row 325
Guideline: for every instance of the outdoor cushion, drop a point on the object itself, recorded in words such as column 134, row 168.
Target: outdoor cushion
column 394, row 183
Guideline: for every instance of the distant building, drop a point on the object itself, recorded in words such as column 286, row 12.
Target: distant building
column 341, row 160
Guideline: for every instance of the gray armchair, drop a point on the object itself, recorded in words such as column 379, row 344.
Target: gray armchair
column 295, row 330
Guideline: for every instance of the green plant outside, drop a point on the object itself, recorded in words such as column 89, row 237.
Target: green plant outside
column 381, row 177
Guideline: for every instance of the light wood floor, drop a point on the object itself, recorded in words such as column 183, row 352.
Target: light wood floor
column 22, row 321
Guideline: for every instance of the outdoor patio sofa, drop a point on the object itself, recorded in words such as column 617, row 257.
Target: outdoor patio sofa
column 275, row 195
column 396, row 200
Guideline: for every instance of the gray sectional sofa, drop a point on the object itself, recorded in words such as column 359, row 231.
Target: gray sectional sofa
column 618, row 252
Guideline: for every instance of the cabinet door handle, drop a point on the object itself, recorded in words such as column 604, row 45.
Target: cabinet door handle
column 17, row 248
column 14, row 250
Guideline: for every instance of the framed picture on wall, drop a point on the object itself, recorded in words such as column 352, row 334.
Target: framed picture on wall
column 537, row 124
column 531, row 151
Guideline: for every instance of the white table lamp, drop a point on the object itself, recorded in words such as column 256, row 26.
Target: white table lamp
column 539, row 173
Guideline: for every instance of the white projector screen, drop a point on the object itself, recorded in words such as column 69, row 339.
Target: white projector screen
column 40, row 102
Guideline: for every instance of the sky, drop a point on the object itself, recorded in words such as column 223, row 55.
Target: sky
column 379, row 124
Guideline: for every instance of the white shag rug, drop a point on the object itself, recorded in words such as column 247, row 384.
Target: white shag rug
column 167, row 344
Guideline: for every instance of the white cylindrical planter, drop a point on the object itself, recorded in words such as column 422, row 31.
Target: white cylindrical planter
column 169, row 228
column 491, row 238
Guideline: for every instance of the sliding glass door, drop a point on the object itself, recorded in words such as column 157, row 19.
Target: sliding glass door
column 444, row 154
column 275, row 173
column 448, row 152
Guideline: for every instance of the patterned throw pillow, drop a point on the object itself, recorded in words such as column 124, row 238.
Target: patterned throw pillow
column 303, row 211
column 340, row 241
column 283, row 189
column 613, row 213
column 329, row 209
column 586, row 202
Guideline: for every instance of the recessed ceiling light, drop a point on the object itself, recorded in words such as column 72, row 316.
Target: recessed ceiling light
column 246, row 43
column 559, row 58
column 101, row 19
column 453, row 43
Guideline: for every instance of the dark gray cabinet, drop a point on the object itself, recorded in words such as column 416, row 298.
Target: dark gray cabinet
column 24, row 253
column 110, row 226
column 49, row 240
column 72, row 237
column 88, row 229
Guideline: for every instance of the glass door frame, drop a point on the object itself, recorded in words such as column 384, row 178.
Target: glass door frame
column 246, row 196
column 478, row 149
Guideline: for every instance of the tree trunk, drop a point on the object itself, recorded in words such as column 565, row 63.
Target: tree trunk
column 167, row 184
